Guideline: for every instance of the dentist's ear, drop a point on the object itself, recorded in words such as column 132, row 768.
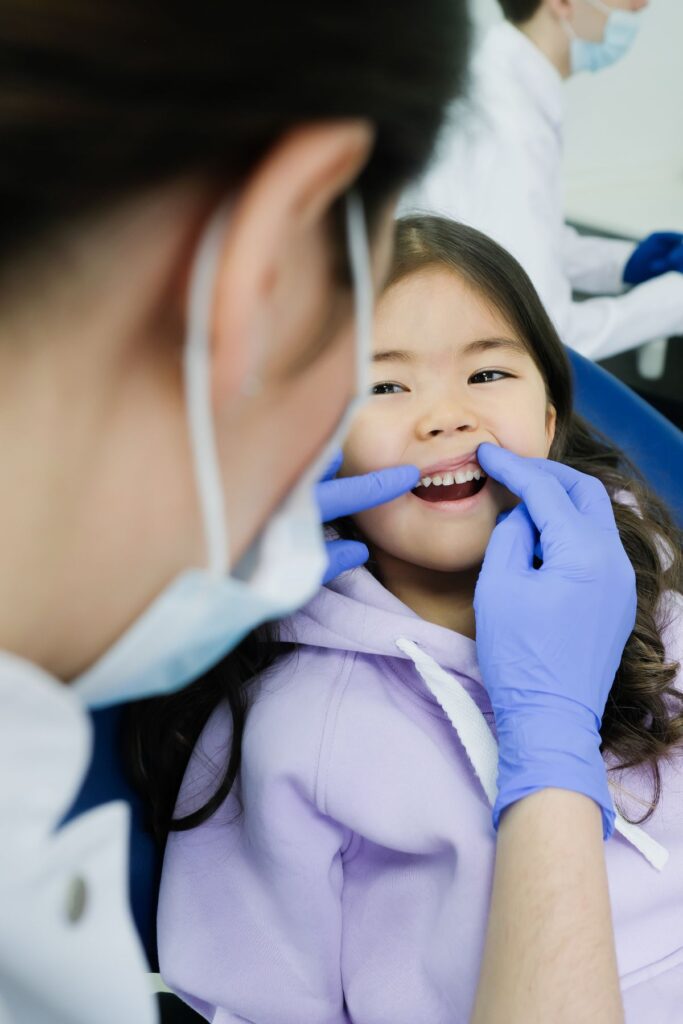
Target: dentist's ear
column 274, row 284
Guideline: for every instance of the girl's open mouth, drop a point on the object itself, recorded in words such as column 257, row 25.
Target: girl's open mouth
column 449, row 491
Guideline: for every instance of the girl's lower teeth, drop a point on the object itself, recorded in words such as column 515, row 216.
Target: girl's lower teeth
column 449, row 492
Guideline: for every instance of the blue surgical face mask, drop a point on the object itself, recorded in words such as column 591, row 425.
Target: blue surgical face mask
column 621, row 30
column 204, row 613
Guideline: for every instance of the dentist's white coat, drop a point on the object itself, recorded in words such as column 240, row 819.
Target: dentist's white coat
column 69, row 953
column 499, row 168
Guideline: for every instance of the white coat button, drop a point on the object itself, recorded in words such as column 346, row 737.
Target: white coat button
column 76, row 899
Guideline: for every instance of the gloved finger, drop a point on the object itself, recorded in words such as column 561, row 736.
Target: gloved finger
column 512, row 543
column 343, row 555
column 346, row 495
column 587, row 493
column 538, row 550
column 333, row 467
column 546, row 499
column 667, row 238
column 660, row 266
column 517, row 473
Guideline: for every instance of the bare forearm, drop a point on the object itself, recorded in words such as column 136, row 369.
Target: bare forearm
column 549, row 953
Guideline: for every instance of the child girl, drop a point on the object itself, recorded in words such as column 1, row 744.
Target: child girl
column 332, row 850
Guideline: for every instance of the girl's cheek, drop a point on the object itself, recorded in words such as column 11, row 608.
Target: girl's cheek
column 362, row 438
column 528, row 438
column 360, row 458
column 353, row 450
column 370, row 524
column 372, row 445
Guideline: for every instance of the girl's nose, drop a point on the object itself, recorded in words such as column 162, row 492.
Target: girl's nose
column 447, row 416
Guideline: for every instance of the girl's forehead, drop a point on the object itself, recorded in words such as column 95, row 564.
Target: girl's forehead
column 436, row 310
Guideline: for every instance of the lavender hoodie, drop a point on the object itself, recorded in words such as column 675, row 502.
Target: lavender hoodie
column 354, row 886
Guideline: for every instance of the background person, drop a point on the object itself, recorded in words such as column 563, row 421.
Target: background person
column 499, row 169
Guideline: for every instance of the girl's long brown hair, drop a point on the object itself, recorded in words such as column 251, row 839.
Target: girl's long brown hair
column 643, row 719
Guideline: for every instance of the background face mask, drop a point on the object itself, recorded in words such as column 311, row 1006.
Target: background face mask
column 621, row 29
column 204, row 613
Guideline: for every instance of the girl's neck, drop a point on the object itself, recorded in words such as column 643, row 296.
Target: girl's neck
column 444, row 598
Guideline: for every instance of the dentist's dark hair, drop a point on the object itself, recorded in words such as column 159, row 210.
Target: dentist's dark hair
column 99, row 98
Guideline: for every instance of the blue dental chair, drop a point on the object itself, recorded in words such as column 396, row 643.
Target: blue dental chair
column 653, row 444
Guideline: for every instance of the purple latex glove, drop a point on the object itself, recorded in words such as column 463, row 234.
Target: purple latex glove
column 550, row 640
column 346, row 495
column 655, row 255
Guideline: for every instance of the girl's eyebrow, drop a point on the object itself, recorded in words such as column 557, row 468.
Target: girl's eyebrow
column 389, row 355
column 486, row 344
column 478, row 345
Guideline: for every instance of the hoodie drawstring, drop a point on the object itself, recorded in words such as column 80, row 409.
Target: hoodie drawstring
column 482, row 750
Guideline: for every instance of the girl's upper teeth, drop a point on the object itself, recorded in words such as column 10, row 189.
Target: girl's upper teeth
column 459, row 476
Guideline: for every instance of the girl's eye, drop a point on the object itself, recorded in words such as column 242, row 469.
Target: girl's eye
column 486, row 376
column 387, row 388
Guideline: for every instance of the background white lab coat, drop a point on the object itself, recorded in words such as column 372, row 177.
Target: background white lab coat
column 69, row 953
column 499, row 168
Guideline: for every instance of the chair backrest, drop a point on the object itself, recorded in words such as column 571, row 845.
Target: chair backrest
column 654, row 445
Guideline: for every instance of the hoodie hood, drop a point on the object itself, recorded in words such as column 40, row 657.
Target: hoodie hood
column 355, row 612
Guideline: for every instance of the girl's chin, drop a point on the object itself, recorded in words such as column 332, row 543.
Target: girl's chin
column 450, row 547
column 446, row 562
column 464, row 566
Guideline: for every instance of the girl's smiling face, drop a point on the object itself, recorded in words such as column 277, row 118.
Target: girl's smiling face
column 448, row 373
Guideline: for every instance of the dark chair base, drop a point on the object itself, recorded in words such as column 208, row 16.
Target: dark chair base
column 174, row 1011
column 672, row 408
column 665, row 394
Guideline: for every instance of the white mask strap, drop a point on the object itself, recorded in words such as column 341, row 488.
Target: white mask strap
column 361, row 279
column 569, row 29
column 197, row 364
column 602, row 7
column 598, row 5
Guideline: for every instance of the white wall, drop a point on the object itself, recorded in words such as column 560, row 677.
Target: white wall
column 632, row 113
column 624, row 129
column 484, row 12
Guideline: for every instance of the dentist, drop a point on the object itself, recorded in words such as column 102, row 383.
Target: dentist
column 194, row 212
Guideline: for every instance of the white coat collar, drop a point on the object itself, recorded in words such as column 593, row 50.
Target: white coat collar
column 57, row 966
column 45, row 747
column 505, row 49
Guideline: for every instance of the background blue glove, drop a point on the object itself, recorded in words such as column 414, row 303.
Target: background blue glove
column 655, row 255
column 351, row 494
column 550, row 640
